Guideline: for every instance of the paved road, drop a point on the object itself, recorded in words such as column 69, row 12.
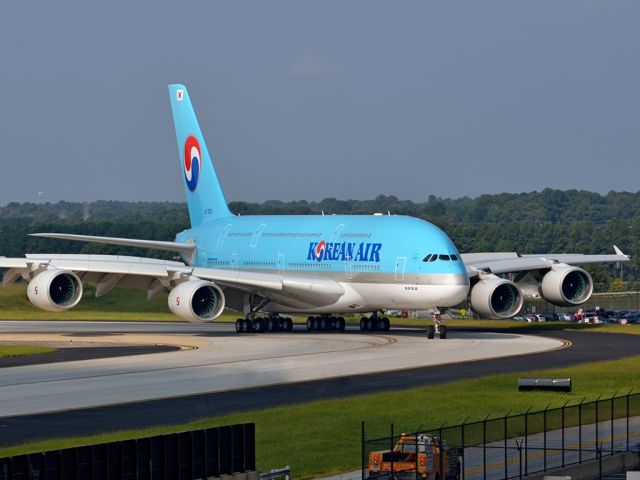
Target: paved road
column 586, row 346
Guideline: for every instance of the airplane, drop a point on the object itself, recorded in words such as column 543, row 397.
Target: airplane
column 266, row 266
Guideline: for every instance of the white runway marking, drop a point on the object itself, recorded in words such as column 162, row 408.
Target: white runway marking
column 223, row 362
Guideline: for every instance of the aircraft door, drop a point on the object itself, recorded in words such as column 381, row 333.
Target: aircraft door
column 347, row 268
column 281, row 264
column 400, row 264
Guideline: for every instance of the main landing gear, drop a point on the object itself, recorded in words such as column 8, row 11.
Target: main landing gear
column 325, row 323
column 374, row 324
column 270, row 323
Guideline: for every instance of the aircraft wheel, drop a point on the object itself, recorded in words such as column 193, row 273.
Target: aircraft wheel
column 333, row 324
column 341, row 324
column 272, row 325
column 431, row 331
column 288, row 324
column 281, row 324
column 364, row 324
column 322, row 324
column 239, row 325
column 246, row 326
column 375, row 324
column 443, row 332
column 386, row 324
column 310, row 324
column 316, row 323
column 258, row 325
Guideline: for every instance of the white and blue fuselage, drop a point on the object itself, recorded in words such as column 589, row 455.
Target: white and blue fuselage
column 381, row 261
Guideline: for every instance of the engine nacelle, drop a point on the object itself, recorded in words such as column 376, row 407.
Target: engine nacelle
column 197, row 301
column 495, row 297
column 55, row 290
column 566, row 286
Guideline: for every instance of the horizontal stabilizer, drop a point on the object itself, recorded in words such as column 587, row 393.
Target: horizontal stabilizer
column 184, row 248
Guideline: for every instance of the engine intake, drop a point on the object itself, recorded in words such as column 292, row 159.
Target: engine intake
column 197, row 301
column 55, row 290
column 566, row 286
column 495, row 297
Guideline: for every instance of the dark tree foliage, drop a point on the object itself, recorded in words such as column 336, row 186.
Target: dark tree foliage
column 535, row 222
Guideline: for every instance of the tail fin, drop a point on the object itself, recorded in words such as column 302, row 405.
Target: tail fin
column 205, row 198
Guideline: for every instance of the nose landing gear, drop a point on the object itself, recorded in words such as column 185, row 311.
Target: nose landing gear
column 437, row 327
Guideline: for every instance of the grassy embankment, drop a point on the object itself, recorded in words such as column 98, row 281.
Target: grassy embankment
column 324, row 437
column 19, row 350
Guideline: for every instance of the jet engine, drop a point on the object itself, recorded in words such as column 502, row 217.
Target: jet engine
column 197, row 301
column 566, row 286
column 495, row 297
column 55, row 290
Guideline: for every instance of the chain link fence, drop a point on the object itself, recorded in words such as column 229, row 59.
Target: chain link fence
column 507, row 447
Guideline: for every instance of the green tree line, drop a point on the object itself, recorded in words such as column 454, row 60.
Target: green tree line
column 536, row 222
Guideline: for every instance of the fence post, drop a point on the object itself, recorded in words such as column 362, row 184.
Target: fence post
column 519, row 445
column 599, row 451
column 580, row 431
column 506, row 472
column 441, row 453
column 628, row 395
column 484, row 448
column 544, row 437
column 597, row 420
column 614, row 396
column 464, row 462
column 391, row 449
column 425, row 451
column 563, row 428
column 526, row 441
column 362, row 453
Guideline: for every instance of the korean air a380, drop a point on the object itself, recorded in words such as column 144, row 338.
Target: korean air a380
column 323, row 266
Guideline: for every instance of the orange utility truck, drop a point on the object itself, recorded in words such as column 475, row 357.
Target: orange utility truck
column 416, row 457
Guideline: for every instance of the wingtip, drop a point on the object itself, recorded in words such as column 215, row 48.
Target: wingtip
column 618, row 251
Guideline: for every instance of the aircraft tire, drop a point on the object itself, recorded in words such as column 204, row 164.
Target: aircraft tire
column 310, row 324
column 386, row 324
column 333, row 324
column 322, row 324
column 443, row 332
column 239, row 325
column 281, row 324
column 364, row 324
column 246, row 326
column 375, row 324
column 259, row 325
column 341, row 324
column 316, row 323
column 288, row 324
column 431, row 331
column 271, row 325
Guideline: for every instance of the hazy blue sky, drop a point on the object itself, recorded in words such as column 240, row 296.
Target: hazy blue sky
column 305, row 100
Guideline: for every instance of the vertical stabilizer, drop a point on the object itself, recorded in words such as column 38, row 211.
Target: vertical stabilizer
column 202, row 188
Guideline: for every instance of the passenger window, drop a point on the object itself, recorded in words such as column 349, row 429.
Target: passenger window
column 444, row 257
column 426, row 259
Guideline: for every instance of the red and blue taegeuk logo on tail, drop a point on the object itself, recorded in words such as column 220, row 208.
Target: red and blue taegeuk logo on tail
column 192, row 162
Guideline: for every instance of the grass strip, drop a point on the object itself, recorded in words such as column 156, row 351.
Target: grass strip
column 322, row 438
column 19, row 350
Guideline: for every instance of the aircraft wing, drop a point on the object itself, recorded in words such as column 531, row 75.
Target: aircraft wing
column 157, row 276
column 513, row 262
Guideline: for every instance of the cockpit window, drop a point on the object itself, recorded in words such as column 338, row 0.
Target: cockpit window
column 427, row 258
column 444, row 257
column 433, row 258
column 454, row 257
